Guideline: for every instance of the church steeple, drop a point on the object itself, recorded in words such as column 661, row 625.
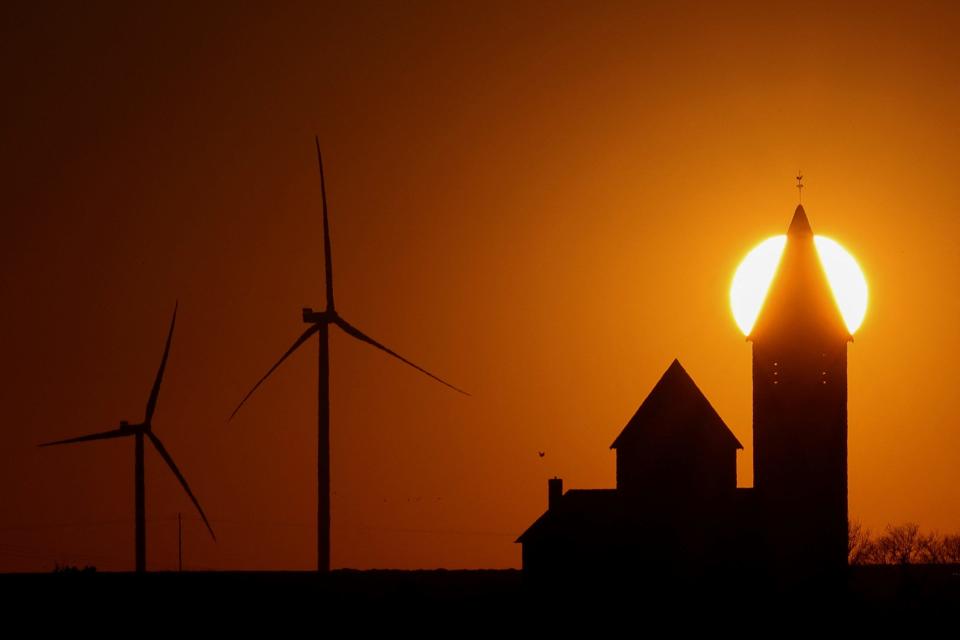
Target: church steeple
column 800, row 410
column 800, row 299
column 799, row 226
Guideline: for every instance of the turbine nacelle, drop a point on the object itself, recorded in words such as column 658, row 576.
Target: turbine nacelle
column 314, row 317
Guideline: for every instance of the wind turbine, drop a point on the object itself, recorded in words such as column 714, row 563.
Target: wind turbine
column 138, row 431
column 320, row 322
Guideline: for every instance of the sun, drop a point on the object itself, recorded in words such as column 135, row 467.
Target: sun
column 755, row 274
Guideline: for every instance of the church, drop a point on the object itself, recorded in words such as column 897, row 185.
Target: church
column 676, row 510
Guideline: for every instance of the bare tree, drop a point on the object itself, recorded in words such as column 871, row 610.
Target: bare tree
column 900, row 544
column 951, row 548
column 859, row 544
column 930, row 548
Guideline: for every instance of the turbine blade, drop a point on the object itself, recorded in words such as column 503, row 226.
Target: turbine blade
column 296, row 345
column 327, row 257
column 103, row 435
column 359, row 335
column 183, row 481
column 152, row 402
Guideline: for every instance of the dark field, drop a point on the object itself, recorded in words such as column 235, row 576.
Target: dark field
column 874, row 591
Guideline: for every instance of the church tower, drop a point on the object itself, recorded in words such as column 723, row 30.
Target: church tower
column 800, row 413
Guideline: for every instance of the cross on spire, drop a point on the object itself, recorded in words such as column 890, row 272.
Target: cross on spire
column 799, row 186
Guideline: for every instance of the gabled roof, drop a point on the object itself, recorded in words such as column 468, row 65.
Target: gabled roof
column 677, row 399
column 800, row 301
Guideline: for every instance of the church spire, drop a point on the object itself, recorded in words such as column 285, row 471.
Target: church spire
column 800, row 301
column 799, row 225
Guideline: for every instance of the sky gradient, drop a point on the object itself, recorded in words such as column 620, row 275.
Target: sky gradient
column 543, row 204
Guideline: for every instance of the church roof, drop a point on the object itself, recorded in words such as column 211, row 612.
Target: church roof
column 579, row 512
column 799, row 225
column 676, row 402
column 800, row 301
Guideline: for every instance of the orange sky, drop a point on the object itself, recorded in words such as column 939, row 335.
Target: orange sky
column 543, row 204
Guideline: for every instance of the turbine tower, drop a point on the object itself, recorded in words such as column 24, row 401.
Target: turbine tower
column 320, row 322
column 138, row 431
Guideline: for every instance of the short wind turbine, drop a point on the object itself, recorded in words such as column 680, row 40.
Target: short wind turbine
column 138, row 431
column 319, row 322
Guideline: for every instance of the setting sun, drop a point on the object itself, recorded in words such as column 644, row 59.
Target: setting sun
column 755, row 273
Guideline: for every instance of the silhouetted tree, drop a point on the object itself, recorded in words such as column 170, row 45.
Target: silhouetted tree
column 859, row 544
column 900, row 544
column 930, row 548
column 951, row 548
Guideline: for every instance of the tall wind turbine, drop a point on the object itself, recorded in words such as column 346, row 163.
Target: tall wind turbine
column 138, row 431
column 320, row 322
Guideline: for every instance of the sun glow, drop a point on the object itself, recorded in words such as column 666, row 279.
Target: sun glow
column 755, row 274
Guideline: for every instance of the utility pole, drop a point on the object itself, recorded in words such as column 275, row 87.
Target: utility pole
column 179, row 543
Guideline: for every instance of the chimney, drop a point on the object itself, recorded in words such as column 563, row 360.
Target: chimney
column 554, row 492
